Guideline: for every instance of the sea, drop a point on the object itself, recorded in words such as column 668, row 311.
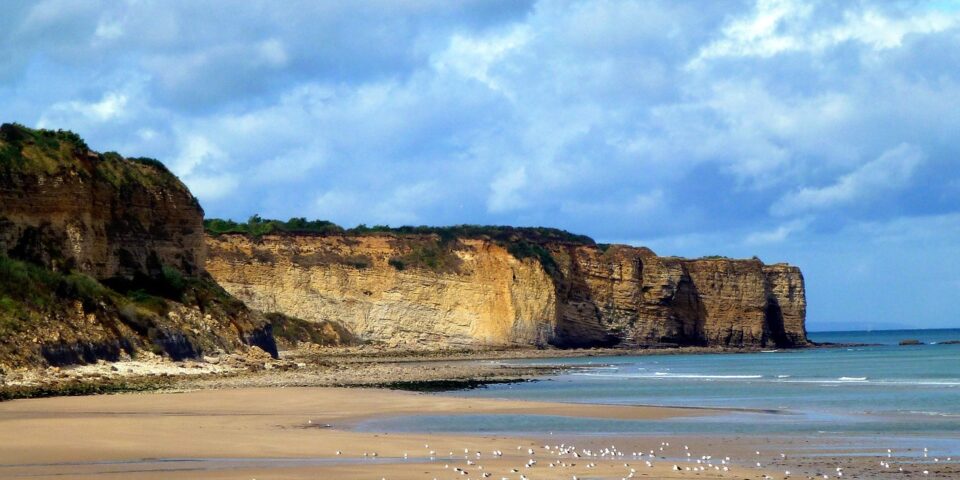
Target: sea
column 876, row 390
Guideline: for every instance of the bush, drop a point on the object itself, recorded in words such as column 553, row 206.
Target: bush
column 151, row 162
column 521, row 242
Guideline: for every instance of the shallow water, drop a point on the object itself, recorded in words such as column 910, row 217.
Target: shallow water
column 890, row 390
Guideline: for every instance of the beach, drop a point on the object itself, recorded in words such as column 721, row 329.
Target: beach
column 879, row 411
column 308, row 432
column 277, row 433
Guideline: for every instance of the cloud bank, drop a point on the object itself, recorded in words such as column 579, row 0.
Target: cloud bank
column 774, row 127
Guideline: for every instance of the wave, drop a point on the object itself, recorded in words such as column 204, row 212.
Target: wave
column 844, row 380
column 933, row 414
column 864, row 381
column 695, row 375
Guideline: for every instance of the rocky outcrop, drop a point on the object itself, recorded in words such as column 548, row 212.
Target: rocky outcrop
column 102, row 256
column 491, row 293
column 69, row 208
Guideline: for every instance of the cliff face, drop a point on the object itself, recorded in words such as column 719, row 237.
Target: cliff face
column 575, row 295
column 102, row 256
column 66, row 207
column 489, row 298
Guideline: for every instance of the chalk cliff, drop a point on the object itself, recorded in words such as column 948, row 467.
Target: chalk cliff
column 101, row 256
column 488, row 292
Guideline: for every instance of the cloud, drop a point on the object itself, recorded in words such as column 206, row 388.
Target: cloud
column 110, row 107
column 778, row 27
column 890, row 171
column 506, row 191
column 575, row 114
column 788, row 129
column 778, row 234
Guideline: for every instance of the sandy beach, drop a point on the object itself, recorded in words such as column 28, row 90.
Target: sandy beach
column 275, row 433
column 306, row 432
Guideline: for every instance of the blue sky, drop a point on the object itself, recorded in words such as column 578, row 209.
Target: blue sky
column 822, row 134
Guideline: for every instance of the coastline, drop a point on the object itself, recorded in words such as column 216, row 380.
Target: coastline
column 309, row 432
column 251, row 416
column 364, row 366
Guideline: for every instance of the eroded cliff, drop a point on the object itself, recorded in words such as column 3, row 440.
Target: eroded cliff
column 102, row 256
column 430, row 290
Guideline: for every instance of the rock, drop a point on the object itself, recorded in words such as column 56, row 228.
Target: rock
column 90, row 227
column 567, row 295
column 910, row 342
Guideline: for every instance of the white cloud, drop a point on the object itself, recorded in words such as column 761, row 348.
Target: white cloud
column 108, row 29
column 196, row 151
column 778, row 234
column 272, row 52
column 506, row 191
column 891, row 170
column 111, row 106
column 473, row 58
column 781, row 26
column 212, row 187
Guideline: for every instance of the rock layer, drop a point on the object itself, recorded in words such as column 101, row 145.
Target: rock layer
column 581, row 295
column 67, row 208
column 102, row 256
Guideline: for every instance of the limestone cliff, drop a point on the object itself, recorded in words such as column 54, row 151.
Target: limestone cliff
column 485, row 291
column 490, row 298
column 102, row 256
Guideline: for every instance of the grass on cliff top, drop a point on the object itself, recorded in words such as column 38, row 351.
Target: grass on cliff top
column 434, row 254
column 256, row 226
column 31, row 151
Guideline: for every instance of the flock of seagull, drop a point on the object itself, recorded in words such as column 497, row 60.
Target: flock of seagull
column 562, row 461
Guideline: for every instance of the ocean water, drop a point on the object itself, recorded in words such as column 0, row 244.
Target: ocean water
column 882, row 389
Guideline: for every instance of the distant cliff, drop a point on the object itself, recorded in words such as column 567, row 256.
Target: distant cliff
column 464, row 287
column 102, row 256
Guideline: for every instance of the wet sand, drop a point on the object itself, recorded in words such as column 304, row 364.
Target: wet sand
column 296, row 432
column 288, row 433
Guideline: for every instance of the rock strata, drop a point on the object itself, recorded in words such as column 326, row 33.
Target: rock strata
column 568, row 294
column 102, row 257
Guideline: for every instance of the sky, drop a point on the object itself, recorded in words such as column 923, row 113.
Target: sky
column 823, row 134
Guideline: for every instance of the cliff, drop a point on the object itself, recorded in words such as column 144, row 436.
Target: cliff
column 420, row 289
column 102, row 256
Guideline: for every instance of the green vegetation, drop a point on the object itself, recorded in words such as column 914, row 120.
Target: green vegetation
column 29, row 292
column 500, row 233
column 523, row 249
column 434, row 254
column 256, row 226
column 33, row 298
column 36, row 151
column 290, row 330
column 28, row 150
column 426, row 253
column 98, row 386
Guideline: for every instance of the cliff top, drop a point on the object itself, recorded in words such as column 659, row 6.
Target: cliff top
column 29, row 151
column 257, row 227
